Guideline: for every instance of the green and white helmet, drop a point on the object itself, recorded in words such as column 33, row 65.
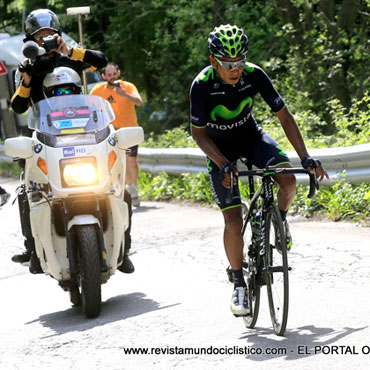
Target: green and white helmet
column 227, row 41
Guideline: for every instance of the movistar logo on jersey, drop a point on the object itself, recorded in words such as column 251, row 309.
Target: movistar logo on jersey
column 248, row 68
column 225, row 113
column 205, row 76
column 281, row 151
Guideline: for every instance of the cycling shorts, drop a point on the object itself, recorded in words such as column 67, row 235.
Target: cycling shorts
column 258, row 152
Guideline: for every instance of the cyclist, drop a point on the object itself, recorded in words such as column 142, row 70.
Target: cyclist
column 222, row 124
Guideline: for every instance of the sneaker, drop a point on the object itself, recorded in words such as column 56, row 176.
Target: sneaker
column 288, row 236
column 127, row 267
column 239, row 302
column 134, row 195
column 22, row 258
column 4, row 197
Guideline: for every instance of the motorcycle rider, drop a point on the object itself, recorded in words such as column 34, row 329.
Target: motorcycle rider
column 38, row 25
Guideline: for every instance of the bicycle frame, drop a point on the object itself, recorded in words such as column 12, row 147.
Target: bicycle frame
column 260, row 268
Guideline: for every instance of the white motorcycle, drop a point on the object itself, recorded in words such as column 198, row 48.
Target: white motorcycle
column 75, row 177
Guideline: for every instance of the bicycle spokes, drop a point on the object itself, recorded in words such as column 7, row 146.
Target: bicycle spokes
column 276, row 271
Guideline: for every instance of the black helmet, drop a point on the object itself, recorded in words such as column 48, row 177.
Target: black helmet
column 40, row 19
column 228, row 41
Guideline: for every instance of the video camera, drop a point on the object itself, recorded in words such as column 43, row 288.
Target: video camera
column 38, row 65
column 50, row 43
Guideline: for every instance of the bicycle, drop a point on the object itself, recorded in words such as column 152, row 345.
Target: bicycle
column 266, row 262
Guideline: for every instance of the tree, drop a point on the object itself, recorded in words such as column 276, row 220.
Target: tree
column 328, row 48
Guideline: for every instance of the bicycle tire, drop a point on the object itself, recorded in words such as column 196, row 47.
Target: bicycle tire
column 250, row 271
column 277, row 278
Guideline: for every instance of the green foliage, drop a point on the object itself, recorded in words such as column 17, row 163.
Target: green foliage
column 316, row 52
column 352, row 126
column 186, row 187
column 176, row 138
column 340, row 202
column 9, row 169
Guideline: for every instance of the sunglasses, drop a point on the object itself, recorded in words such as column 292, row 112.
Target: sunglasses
column 231, row 65
column 66, row 91
column 41, row 37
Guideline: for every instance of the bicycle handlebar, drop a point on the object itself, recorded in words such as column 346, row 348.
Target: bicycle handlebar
column 270, row 171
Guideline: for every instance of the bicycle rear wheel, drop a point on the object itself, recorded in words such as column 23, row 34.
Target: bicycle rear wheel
column 276, row 270
column 250, row 272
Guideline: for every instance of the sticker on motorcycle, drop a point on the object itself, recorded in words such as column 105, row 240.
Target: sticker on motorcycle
column 70, row 118
column 72, row 151
column 69, row 152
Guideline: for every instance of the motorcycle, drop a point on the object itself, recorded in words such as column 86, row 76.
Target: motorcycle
column 75, row 177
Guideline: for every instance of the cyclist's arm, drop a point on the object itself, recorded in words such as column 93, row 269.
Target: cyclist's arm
column 292, row 132
column 208, row 146
column 294, row 136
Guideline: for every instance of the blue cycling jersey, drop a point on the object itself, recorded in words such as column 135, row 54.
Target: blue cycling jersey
column 226, row 110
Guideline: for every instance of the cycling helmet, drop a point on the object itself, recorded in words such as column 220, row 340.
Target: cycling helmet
column 61, row 77
column 227, row 41
column 40, row 19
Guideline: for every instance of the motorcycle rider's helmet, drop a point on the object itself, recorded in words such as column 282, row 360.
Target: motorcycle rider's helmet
column 41, row 19
column 62, row 81
column 227, row 41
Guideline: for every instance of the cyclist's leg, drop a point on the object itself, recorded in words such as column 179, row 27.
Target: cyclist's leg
column 233, row 239
column 265, row 148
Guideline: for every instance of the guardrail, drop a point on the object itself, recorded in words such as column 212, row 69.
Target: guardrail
column 354, row 160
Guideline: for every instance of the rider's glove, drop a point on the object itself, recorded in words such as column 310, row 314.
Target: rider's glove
column 308, row 162
column 226, row 168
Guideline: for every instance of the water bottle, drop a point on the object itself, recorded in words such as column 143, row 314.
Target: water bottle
column 257, row 227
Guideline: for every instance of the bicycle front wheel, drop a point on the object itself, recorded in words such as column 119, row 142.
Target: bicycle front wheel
column 250, row 261
column 277, row 280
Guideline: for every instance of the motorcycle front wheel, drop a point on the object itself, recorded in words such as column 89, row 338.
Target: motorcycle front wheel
column 89, row 270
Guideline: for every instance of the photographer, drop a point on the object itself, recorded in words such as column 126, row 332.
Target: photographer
column 124, row 97
column 42, row 26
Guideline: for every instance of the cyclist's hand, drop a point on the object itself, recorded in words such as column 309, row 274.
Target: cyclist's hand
column 314, row 165
column 224, row 174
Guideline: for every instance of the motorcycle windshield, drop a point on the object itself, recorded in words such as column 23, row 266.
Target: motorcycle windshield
column 71, row 119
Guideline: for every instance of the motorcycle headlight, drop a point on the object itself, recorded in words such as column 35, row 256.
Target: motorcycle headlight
column 79, row 171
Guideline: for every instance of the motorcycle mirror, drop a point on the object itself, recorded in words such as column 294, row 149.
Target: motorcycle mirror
column 129, row 136
column 21, row 147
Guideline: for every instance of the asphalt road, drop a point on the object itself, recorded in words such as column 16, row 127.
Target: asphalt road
column 176, row 305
